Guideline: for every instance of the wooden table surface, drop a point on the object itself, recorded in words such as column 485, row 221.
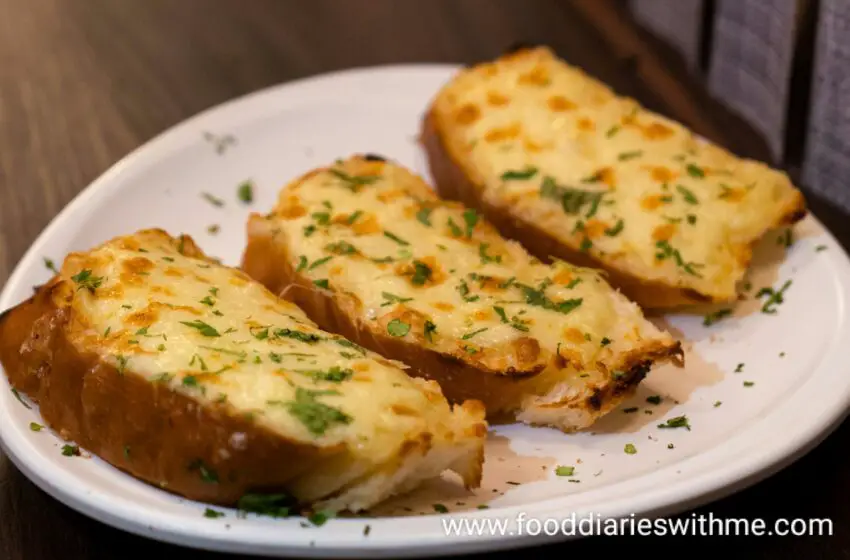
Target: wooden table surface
column 83, row 82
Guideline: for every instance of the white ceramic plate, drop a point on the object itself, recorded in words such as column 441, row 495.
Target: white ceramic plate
column 794, row 359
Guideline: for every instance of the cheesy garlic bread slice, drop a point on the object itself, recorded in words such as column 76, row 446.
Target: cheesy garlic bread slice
column 556, row 160
column 190, row 376
column 368, row 250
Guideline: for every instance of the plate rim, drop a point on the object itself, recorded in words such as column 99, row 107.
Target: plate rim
column 709, row 487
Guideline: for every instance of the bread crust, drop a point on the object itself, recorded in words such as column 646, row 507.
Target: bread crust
column 142, row 428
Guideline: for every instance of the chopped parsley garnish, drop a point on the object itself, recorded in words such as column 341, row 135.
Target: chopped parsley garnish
column 630, row 449
column 190, row 381
column 695, row 171
column 309, row 230
column 84, row 279
column 424, row 216
column 717, row 403
column 334, row 375
column 786, row 239
column 354, row 182
column 625, row 156
column 572, row 200
column 538, row 298
column 453, row 227
column 692, row 219
column 272, row 505
column 302, row 263
column 715, row 316
column 245, row 192
column 519, row 175
column 687, row 194
column 654, row 399
column 366, row 530
column 618, row 227
column 70, row 450
column 585, row 245
column 353, row 217
column 317, row 417
column 395, row 238
column 397, row 327
column 630, row 409
column 665, row 250
column 322, row 218
column 319, row 262
column 739, row 368
column 297, row 335
column 563, row 470
column 36, row 427
column 392, row 298
column 319, row 518
column 421, row 273
column 340, row 248
column 48, row 263
column 208, row 301
column 214, row 200
column 430, row 329
column 470, row 218
column 485, row 258
column 20, row 400
column 774, row 297
column 469, row 335
column 200, row 360
column 463, row 289
column 275, row 357
column 213, row 514
column 748, row 383
column 348, row 344
column 122, row 363
column 820, row 248
column 676, row 422
column 612, row 131
column 322, row 283
column 500, row 311
column 440, row 508
column 203, row 328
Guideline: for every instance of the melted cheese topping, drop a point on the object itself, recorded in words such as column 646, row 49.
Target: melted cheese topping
column 630, row 187
column 436, row 274
column 211, row 333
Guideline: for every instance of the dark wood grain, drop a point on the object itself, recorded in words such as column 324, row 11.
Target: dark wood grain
column 83, row 82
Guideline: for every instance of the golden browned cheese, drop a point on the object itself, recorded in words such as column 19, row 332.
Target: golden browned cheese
column 570, row 169
column 433, row 284
column 191, row 376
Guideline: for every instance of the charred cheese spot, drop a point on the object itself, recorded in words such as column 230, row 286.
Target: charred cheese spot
column 291, row 208
column 653, row 201
column 586, row 124
column 537, row 76
column 366, row 225
column 662, row 174
column 389, row 196
column 564, row 277
column 560, row 103
column 467, row 114
column 174, row 272
column 496, row 99
column 608, row 176
column 503, row 133
column 137, row 265
column 443, row 306
column 574, row 335
column 664, row 232
column 657, row 131
column 594, row 228
column 144, row 317
column 533, row 147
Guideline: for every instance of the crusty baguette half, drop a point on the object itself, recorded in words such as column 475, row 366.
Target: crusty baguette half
column 189, row 375
column 560, row 162
column 368, row 250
